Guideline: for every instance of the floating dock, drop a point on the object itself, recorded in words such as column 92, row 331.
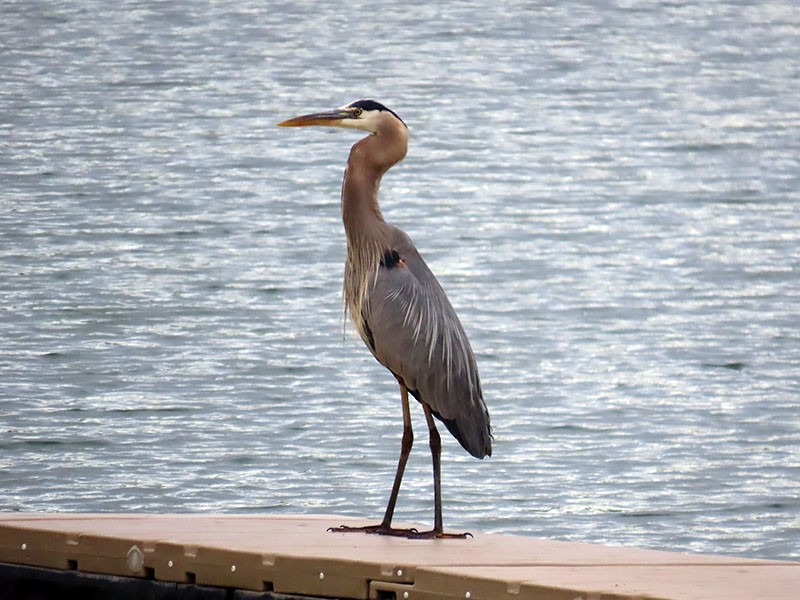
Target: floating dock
column 238, row 556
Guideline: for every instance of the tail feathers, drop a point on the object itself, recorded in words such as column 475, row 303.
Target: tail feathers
column 479, row 440
column 474, row 433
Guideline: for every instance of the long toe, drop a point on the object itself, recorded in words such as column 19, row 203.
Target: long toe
column 438, row 535
column 379, row 529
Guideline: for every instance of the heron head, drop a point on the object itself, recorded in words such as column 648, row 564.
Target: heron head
column 367, row 115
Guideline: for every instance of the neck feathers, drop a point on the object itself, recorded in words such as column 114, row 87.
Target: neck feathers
column 368, row 236
column 369, row 159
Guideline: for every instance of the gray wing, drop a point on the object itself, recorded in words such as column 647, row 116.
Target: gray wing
column 413, row 331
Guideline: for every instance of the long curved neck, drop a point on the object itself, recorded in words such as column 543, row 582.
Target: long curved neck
column 369, row 159
column 361, row 213
column 368, row 236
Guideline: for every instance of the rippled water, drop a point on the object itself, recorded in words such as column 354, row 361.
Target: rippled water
column 608, row 191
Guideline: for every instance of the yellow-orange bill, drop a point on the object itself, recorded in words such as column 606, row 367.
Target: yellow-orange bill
column 329, row 118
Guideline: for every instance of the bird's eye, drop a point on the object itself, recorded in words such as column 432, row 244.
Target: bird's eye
column 357, row 112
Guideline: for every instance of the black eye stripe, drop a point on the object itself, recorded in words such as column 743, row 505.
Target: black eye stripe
column 369, row 104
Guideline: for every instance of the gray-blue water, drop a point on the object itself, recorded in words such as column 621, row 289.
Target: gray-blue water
column 609, row 192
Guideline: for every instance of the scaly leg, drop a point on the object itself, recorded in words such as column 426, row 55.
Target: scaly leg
column 436, row 453
column 385, row 526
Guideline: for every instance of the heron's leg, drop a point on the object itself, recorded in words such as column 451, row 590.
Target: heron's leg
column 405, row 451
column 436, row 454
column 385, row 526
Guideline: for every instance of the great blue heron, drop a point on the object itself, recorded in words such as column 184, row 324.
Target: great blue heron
column 398, row 307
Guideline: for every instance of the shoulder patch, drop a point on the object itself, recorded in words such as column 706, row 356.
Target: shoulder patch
column 391, row 259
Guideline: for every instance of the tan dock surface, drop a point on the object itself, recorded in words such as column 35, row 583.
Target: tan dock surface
column 297, row 555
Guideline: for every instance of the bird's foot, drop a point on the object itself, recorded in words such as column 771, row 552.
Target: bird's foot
column 410, row 533
column 379, row 529
column 438, row 535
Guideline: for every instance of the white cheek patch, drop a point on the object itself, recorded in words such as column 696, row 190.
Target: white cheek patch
column 368, row 121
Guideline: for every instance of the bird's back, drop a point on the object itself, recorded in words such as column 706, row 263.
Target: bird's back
column 413, row 330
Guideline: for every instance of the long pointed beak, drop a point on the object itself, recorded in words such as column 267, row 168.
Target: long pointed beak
column 331, row 118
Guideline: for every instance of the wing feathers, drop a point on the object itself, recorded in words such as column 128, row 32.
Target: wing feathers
column 416, row 334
